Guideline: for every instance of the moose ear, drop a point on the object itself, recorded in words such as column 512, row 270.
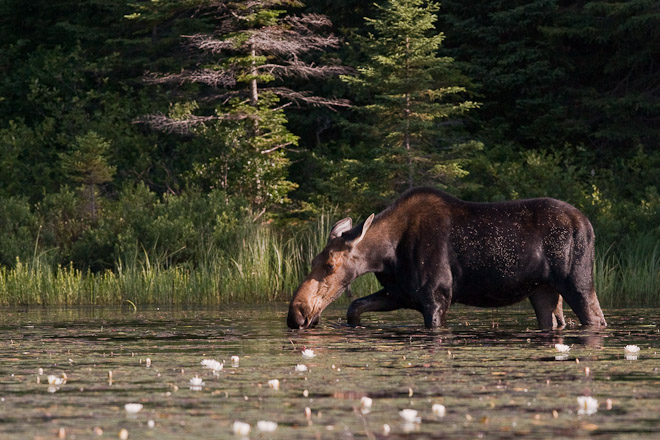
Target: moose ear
column 365, row 227
column 340, row 227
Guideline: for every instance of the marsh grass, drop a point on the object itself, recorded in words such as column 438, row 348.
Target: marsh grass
column 628, row 274
column 261, row 265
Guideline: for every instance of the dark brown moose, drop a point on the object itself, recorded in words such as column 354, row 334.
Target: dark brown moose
column 429, row 250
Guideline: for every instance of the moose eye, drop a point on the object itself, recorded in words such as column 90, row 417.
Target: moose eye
column 329, row 267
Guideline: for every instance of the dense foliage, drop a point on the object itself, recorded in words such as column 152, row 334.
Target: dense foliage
column 136, row 130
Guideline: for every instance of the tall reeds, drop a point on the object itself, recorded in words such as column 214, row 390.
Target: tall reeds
column 628, row 274
column 260, row 264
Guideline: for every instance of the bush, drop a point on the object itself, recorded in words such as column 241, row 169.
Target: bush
column 20, row 230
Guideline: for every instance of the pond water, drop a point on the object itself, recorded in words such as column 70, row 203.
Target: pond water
column 495, row 374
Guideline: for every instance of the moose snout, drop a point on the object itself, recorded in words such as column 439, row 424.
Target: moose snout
column 300, row 318
column 295, row 319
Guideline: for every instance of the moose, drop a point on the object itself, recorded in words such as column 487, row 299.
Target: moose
column 429, row 250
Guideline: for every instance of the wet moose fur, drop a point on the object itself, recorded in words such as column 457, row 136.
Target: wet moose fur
column 429, row 250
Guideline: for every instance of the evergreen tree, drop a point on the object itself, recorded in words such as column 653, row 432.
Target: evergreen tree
column 412, row 96
column 501, row 46
column 612, row 48
column 244, row 66
column 87, row 164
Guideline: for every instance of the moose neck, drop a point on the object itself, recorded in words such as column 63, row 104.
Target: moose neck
column 376, row 248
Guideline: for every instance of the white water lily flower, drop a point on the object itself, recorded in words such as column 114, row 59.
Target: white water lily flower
column 133, row 408
column 57, row 381
column 241, row 428
column 438, row 410
column 631, row 352
column 212, row 364
column 410, row 415
column 587, row 405
column 308, row 353
column 562, row 348
column 266, row 426
column 301, row 367
column 631, row 349
column 196, row 381
column 365, row 405
column 274, row 384
column 235, row 361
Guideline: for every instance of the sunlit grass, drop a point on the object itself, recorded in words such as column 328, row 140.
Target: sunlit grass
column 262, row 265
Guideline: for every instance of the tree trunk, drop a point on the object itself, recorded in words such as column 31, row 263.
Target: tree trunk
column 406, row 133
column 254, row 97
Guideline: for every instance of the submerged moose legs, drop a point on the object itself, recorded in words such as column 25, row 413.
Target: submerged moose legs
column 586, row 307
column 380, row 301
column 547, row 304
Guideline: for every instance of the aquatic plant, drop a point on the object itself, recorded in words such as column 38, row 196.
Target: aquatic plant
column 241, row 428
column 133, row 408
column 235, row 360
column 266, row 426
column 587, row 405
column 438, row 410
column 308, row 353
column 212, row 364
column 410, row 415
column 631, row 352
column 631, row 349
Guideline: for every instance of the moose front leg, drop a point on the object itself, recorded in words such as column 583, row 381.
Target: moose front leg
column 380, row 301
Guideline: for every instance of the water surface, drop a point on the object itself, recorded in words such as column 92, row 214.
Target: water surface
column 497, row 376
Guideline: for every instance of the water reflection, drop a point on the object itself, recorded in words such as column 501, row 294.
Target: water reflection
column 495, row 374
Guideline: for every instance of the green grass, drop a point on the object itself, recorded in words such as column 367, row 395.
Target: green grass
column 262, row 265
column 628, row 274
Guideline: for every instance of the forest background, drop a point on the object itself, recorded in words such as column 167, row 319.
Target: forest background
column 197, row 151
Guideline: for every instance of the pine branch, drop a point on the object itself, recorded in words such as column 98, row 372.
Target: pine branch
column 213, row 78
column 300, row 69
column 166, row 124
column 208, row 43
column 307, row 98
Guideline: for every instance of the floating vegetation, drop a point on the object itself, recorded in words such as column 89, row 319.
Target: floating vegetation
column 266, row 426
column 498, row 379
column 410, row 415
column 587, row 405
column 308, row 353
column 631, row 352
column 133, row 408
column 241, row 428
column 438, row 410
column 212, row 364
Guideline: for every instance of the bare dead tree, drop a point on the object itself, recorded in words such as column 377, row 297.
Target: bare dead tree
column 241, row 59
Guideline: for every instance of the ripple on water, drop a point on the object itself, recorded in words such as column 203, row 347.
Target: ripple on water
column 491, row 371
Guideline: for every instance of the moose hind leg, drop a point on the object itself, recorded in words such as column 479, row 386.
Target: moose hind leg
column 380, row 301
column 584, row 303
column 548, row 307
